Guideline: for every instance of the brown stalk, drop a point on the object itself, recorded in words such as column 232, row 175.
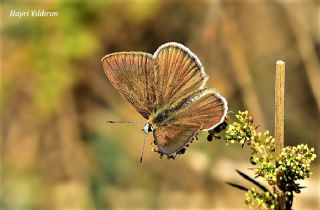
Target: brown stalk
column 279, row 125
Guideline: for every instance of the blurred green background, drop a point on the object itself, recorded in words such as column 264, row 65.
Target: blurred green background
column 58, row 153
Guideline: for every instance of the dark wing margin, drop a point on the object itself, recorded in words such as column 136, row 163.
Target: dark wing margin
column 179, row 73
column 132, row 74
column 204, row 110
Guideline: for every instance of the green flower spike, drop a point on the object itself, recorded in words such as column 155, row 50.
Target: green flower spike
column 292, row 165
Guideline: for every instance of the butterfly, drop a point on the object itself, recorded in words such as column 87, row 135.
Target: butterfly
column 168, row 90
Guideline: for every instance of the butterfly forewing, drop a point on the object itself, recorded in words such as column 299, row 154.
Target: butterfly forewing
column 179, row 73
column 203, row 110
column 132, row 74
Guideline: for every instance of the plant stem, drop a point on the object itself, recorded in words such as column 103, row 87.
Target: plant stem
column 279, row 125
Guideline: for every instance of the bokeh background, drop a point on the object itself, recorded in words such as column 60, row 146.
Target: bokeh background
column 58, row 153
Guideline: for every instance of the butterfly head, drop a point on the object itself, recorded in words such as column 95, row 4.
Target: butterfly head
column 147, row 128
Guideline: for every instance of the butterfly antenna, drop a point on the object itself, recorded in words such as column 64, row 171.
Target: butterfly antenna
column 144, row 143
column 121, row 121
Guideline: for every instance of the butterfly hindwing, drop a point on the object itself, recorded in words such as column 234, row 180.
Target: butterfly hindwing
column 170, row 138
column 204, row 110
column 205, row 107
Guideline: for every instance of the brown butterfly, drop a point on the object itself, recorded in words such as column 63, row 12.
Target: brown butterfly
column 167, row 89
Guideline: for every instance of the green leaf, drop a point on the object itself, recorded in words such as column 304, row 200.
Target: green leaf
column 237, row 186
column 243, row 175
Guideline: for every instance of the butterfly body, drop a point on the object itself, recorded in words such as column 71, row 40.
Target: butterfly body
column 167, row 89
